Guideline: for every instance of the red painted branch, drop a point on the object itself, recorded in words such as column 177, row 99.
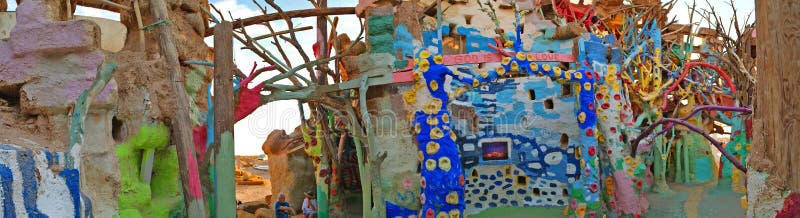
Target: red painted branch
column 686, row 68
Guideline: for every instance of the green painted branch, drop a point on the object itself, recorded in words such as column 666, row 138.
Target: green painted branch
column 366, row 188
column 373, row 157
column 296, row 95
column 81, row 109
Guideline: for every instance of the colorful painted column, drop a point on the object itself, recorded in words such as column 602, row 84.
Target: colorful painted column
column 313, row 140
column 442, row 183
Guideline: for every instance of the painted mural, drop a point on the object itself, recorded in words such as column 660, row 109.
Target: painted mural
column 39, row 183
column 530, row 121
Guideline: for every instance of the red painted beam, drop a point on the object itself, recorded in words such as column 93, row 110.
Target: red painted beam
column 405, row 75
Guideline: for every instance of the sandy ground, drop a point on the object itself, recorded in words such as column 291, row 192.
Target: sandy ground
column 247, row 193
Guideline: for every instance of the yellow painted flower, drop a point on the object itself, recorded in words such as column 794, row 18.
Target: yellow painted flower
column 484, row 74
column 432, row 148
column 430, row 164
column 441, row 215
column 587, row 86
column 506, row 60
column 616, row 86
column 438, row 59
column 454, row 213
column 629, row 171
column 459, row 91
column 444, row 163
column 452, row 136
column 629, row 161
column 410, row 96
column 424, row 54
column 434, row 85
column 436, row 133
column 432, row 120
column 557, row 74
column 530, row 57
column 583, row 164
column 557, row 70
column 581, row 211
column 475, row 83
column 603, row 117
column 500, row 71
column 433, row 107
column 514, row 66
column 577, row 75
column 610, row 78
column 534, row 67
column 546, row 67
column 509, row 44
column 581, row 117
column 452, row 198
column 424, row 65
column 520, row 56
column 416, row 61
column 446, row 118
column 612, row 69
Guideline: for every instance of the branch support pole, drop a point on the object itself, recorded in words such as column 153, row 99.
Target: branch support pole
column 181, row 124
column 224, row 101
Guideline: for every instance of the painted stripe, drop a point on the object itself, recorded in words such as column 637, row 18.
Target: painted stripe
column 72, row 178
column 29, row 181
column 8, row 147
column 6, row 181
column 10, row 158
column 87, row 206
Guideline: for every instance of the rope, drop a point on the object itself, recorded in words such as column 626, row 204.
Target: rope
column 149, row 28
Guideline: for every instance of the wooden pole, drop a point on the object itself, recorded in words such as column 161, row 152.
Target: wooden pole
column 138, row 14
column 181, row 126
column 291, row 14
column 224, row 120
column 322, row 40
column 776, row 130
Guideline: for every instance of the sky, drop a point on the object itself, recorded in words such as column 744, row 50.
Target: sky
column 251, row 132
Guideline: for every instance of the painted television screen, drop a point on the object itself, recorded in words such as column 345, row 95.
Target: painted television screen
column 495, row 150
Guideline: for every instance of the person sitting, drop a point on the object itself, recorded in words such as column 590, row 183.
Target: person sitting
column 309, row 205
column 282, row 208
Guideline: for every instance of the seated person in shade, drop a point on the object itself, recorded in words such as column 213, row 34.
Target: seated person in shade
column 309, row 205
column 282, row 208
